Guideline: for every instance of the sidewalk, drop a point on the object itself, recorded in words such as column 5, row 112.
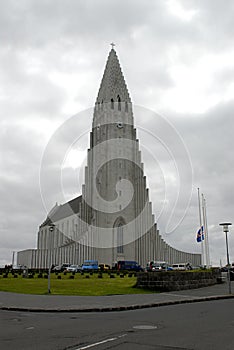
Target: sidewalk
column 61, row 303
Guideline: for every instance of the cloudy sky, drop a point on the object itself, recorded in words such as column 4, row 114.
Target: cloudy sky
column 178, row 60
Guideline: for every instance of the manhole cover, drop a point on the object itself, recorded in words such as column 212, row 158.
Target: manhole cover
column 145, row 326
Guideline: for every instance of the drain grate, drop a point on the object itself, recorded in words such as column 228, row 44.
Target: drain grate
column 145, row 326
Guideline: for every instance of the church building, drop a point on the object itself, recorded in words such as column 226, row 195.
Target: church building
column 112, row 219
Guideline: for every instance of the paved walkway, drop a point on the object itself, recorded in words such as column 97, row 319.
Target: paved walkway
column 60, row 303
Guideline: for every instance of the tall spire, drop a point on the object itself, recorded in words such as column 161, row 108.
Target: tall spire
column 113, row 85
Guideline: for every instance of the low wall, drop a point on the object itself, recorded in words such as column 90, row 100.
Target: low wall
column 177, row 280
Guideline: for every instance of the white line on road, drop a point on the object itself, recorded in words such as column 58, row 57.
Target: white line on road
column 100, row 342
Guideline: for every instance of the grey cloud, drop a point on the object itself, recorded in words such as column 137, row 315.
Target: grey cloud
column 214, row 22
column 209, row 139
column 31, row 92
column 39, row 24
column 33, row 23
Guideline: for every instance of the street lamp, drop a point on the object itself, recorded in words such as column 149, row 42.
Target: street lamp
column 226, row 230
column 51, row 228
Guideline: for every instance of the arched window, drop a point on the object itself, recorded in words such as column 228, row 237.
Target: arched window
column 112, row 103
column 120, row 239
column 119, row 103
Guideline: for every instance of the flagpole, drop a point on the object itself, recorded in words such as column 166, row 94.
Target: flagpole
column 200, row 220
column 204, row 229
column 206, row 236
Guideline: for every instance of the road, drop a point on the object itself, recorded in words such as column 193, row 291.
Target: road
column 203, row 325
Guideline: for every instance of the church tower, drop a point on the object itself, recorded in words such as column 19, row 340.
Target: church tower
column 116, row 204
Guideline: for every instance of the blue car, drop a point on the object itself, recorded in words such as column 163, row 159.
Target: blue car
column 90, row 265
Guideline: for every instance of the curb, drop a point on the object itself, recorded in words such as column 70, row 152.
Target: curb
column 120, row 308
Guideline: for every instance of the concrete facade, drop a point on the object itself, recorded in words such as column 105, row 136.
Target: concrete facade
column 112, row 220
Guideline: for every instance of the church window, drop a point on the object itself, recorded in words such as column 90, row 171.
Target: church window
column 126, row 107
column 112, row 103
column 119, row 103
column 120, row 239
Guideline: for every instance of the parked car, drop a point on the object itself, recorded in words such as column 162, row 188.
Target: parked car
column 61, row 268
column 156, row 266
column 103, row 267
column 90, row 265
column 74, row 268
column 18, row 267
column 57, row 268
column 129, row 265
column 159, row 266
column 182, row 266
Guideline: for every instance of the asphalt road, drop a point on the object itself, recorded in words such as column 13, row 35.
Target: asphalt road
column 205, row 325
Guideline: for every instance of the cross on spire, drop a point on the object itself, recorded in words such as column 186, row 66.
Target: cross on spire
column 112, row 45
column 113, row 83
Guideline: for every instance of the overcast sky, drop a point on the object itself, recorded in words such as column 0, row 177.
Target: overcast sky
column 178, row 61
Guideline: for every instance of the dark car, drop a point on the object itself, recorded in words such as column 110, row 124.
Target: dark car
column 129, row 265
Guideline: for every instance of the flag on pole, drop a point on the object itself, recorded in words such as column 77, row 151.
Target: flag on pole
column 200, row 234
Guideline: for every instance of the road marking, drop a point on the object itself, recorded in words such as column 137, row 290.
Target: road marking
column 101, row 342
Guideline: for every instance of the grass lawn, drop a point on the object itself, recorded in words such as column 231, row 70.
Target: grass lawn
column 80, row 285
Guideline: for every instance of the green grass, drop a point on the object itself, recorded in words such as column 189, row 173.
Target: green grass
column 80, row 285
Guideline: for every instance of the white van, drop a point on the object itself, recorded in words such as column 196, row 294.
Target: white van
column 181, row 266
